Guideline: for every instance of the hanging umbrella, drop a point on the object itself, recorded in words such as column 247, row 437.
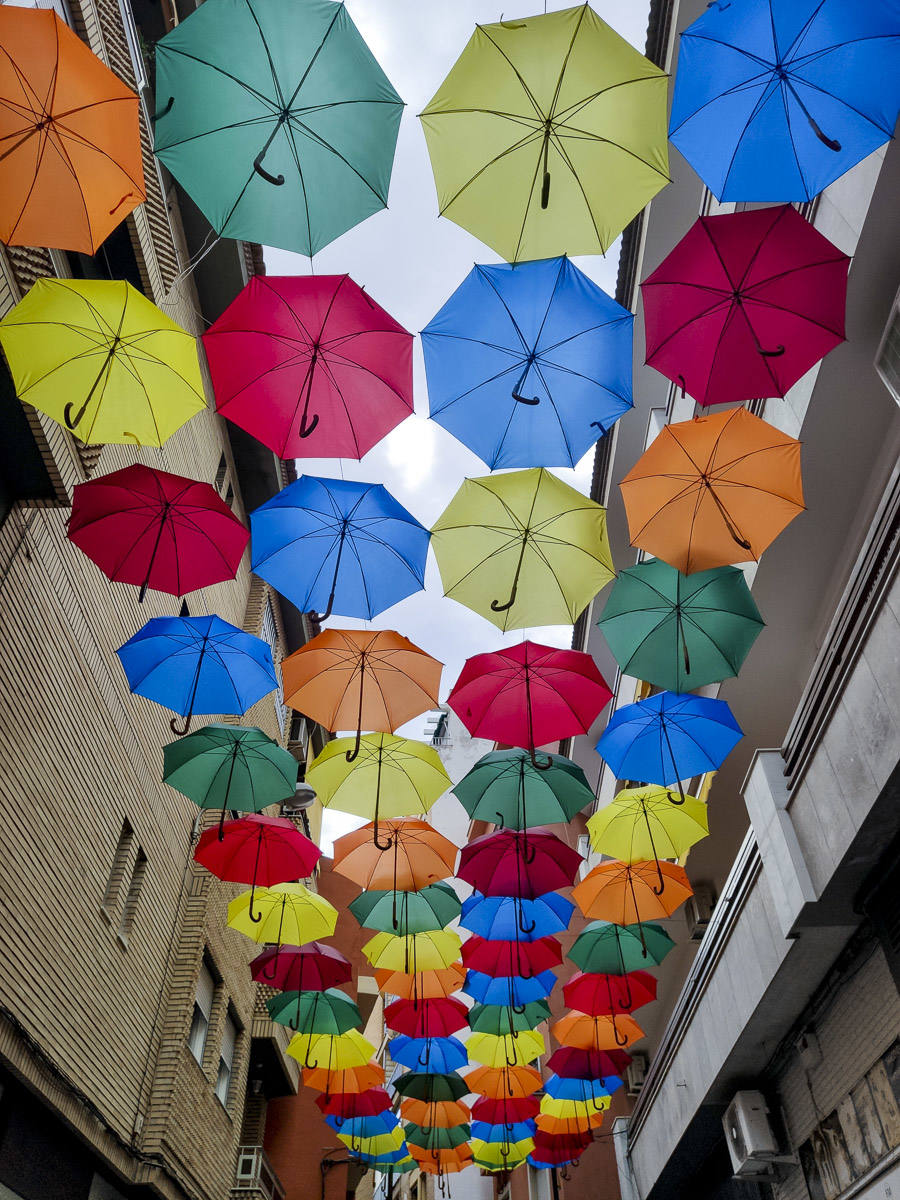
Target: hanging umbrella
column 197, row 664
column 436, row 1114
column 449, row 1086
column 528, row 531
column 329, row 1051
column 378, row 775
column 434, row 907
column 230, row 767
column 278, row 123
column 606, row 948
column 500, row 1156
column 365, row 1127
column 312, row 966
column 666, row 738
column 745, row 304
column 329, row 1011
column 505, row 1111
column 362, row 679
column 576, row 1123
column 583, row 1091
column 504, row 1082
column 362, row 1104
column 378, row 1146
column 525, row 959
column 506, row 1049
column 555, row 1150
column 627, row 892
column 505, row 1018
column 598, row 1033
column 287, row 914
column 72, row 167
column 601, row 1066
column 677, row 631
column 417, row 951
column 438, row 1018
column 713, row 491
column 257, row 850
column 340, row 545
column 440, row 1161
column 529, row 365
column 508, row 863
column 507, row 789
column 350, row 1081
column 775, row 104
column 435, row 1137
column 512, row 990
column 597, row 993
column 103, row 360
column 502, row 918
column 433, row 1055
column 422, row 985
column 310, row 365
column 418, row 856
column 514, row 1131
column 643, row 823
column 548, row 135
column 528, row 695
column 158, row 530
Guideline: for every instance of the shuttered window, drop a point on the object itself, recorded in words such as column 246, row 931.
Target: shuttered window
column 203, row 1002
column 226, row 1060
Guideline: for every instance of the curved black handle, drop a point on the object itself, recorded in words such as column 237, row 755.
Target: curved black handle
column 163, row 112
column 180, row 732
column 539, row 766
column 772, row 353
column 545, row 190
column 305, row 430
column 71, row 421
column 531, row 401
column 275, row 180
column 496, row 606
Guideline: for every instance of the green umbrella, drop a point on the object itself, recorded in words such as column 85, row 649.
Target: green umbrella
column 500, row 1019
column 276, row 120
column 431, row 1087
column 606, row 949
column 507, row 789
column 230, row 767
column 431, row 1137
column 432, row 908
column 331, row 1011
column 677, row 631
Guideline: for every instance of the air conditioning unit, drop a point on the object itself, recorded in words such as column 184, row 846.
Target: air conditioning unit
column 751, row 1142
column 698, row 911
column 635, row 1074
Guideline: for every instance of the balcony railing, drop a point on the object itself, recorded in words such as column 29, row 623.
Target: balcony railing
column 256, row 1173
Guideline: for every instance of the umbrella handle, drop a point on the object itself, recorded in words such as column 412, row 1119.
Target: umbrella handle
column 320, row 617
column 772, row 353
column 181, row 732
column 517, row 390
column 163, row 112
column 620, row 1041
column 275, row 180
column 528, row 927
column 254, row 917
column 305, row 430
column 683, row 383
column 564, row 1174
column 539, row 766
column 350, row 756
column 496, row 606
column 525, row 399
column 274, row 974
column 422, row 1061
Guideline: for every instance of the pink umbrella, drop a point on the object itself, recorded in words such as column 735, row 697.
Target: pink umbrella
column 311, row 967
column 311, row 366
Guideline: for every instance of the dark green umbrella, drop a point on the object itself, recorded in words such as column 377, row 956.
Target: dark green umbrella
column 434, row 907
column 606, row 949
column 507, row 789
column 331, row 1011
column 431, row 1087
column 677, row 631
column 431, row 1137
column 504, row 1018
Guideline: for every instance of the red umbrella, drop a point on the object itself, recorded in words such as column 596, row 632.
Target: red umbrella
column 596, row 994
column 158, row 530
column 571, row 1063
column 354, row 1104
column 745, row 304
column 439, row 1017
column 257, row 850
column 312, row 967
column 521, row 958
column 559, row 1147
column 506, row 1111
column 311, row 366
column 526, row 863
column 529, row 695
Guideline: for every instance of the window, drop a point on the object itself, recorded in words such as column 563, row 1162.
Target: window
column 270, row 635
column 887, row 360
column 134, row 892
column 121, row 859
column 115, row 259
column 226, row 1059
column 203, row 1001
column 23, row 475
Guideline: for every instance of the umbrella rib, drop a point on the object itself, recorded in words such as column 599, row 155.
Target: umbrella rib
column 556, row 413
column 525, row 88
column 490, row 163
column 320, row 141
column 251, row 91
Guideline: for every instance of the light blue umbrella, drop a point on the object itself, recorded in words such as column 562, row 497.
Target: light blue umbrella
column 581, row 1089
column 432, row 1056
column 508, row 989
column 516, row 1131
column 502, row 918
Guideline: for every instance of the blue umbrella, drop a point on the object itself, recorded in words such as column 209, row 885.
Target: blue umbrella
column 516, row 1131
column 528, row 365
column 545, row 1166
column 775, row 99
column 339, row 545
column 508, row 989
column 501, row 918
column 382, row 1161
column 197, row 664
column 432, row 1056
column 669, row 737
column 364, row 1127
column 581, row 1089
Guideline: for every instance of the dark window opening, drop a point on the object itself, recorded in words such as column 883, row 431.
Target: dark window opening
column 23, row 474
column 115, row 259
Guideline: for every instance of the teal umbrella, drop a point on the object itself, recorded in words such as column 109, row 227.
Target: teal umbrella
column 433, row 1137
column 276, row 119
column 330, row 1012
column 606, row 949
column 500, row 1019
column 434, row 907
column 507, row 788
column 677, row 631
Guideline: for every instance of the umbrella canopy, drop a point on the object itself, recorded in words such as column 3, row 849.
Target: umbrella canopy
column 434, row 907
column 417, row 951
column 524, row 532
column 505, row 1111
column 155, row 529
column 522, row 958
column 287, row 914
column 422, row 985
column 434, row 1055
column 668, row 737
column 598, row 1033
column 509, row 863
column 418, row 856
column 328, row 1011
column 72, row 166
column 506, row 1082
column 442, row 1114
column 680, row 631
column 598, row 993
column 449, row 1086
column 506, row 1018
column 438, row 1018
column 510, row 1050
column 257, row 850
column 363, row 1127
column 502, row 1155
column 507, row 789
column 527, row 695
column 340, row 545
column 606, row 948
column 626, row 893
column 601, row 1066
column 643, row 823
column 713, row 491
column 361, row 679
column 103, row 360
column 381, row 1145
column 580, row 1122
column 197, row 664
column 436, row 1137
column 776, row 103
column 362, row 1104
column 230, row 767
column 745, row 304
column 584, row 1091
column 329, row 1051
column 441, row 1161
column 514, row 1131
column 278, row 123
column 548, row 135
column 503, row 918
column 513, row 990
column 310, row 365
column 349, row 1081
column 529, row 365
column 312, row 966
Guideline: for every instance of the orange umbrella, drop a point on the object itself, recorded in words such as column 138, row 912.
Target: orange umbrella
column 423, row 985
column 626, row 893
column 440, row 1159
column 435, row 1114
column 350, row 1081
column 69, row 139
column 415, row 856
column 596, row 1033
column 714, row 490
column 569, row 1126
column 503, row 1083
column 361, row 679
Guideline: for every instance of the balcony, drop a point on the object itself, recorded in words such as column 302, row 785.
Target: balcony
column 256, row 1178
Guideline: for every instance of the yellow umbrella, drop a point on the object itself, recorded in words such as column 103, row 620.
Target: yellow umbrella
column 506, row 1049
column 413, row 952
column 331, row 1052
column 556, row 1108
column 100, row 358
column 381, row 1143
column 500, row 1156
column 289, row 914
column 644, row 823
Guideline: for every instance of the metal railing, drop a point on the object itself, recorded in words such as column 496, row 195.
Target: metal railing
column 256, row 1173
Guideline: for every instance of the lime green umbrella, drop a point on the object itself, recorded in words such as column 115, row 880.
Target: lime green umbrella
column 548, row 136
column 432, row 1137
column 434, row 907
column 606, row 949
column 507, row 789
column 500, row 1019
column 522, row 549
column 330, row 1011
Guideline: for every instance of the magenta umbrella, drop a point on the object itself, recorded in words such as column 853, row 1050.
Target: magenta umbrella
column 155, row 529
column 745, row 304
column 311, row 366
column 312, row 967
